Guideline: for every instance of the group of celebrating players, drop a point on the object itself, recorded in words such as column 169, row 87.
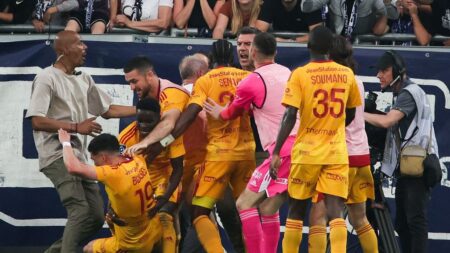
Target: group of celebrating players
column 193, row 143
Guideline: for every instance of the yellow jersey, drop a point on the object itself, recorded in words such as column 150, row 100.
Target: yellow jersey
column 321, row 90
column 130, row 193
column 227, row 140
column 128, row 187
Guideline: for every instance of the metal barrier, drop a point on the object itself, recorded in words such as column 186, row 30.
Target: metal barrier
column 390, row 38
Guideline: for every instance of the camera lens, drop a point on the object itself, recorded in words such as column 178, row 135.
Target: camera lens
column 372, row 96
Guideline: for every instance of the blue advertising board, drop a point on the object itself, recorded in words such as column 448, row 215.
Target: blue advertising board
column 30, row 211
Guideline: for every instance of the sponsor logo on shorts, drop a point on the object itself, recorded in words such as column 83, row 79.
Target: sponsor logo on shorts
column 222, row 150
column 169, row 238
column 209, row 179
column 336, row 177
column 253, row 183
column 281, row 181
column 305, row 153
column 299, row 181
column 365, row 185
column 257, row 174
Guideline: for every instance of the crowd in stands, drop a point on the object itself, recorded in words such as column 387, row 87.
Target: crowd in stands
column 216, row 18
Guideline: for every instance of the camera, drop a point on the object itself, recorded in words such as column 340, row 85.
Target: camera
column 376, row 135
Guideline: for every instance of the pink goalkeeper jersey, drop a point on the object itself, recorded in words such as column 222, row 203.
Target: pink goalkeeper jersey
column 262, row 90
column 356, row 138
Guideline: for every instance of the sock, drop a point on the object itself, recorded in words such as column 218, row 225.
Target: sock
column 169, row 235
column 292, row 236
column 338, row 236
column 271, row 230
column 317, row 240
column 252, row 230
column 367, row 238
column 208, row 234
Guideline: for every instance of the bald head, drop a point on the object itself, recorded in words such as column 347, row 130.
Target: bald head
column 192, row 67
column 70, row 50
column 64, row 39
column 202, row 56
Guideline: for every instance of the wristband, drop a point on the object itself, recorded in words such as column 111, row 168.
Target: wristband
column 66, row 144
column 167, row 140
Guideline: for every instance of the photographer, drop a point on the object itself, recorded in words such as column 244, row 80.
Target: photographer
column 409, row 123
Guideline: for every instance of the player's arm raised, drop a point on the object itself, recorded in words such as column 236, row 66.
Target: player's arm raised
column 74, row 166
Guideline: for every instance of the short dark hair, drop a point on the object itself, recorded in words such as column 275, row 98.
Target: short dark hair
column 149, row 104
column 141, row 63
column 104, row 142
column 341, row 52
column 222, row 52
column 320, row 39
column 248, row 30
column 266, row 43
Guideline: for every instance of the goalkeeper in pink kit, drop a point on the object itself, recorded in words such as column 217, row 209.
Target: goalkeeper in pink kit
column 261, row 92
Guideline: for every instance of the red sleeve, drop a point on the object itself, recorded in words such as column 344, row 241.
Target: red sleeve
column 226, row 9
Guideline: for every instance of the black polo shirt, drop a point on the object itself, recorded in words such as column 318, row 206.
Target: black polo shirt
column 273, row 12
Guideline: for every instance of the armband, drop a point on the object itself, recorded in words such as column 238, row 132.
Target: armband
column 167, row 140
column 66, row 144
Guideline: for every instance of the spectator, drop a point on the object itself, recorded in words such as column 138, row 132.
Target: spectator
column 16, row 11
column 353, row 17
column 146, row 15
column 235, row 14
column 412, row 21
column 441, row 19
column 286, row 15
column 200, row 14
column 89, row 16
column 54, row 12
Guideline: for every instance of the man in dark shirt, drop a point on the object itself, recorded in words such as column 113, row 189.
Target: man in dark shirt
column 16, row 11
column 441, row 19
column 287, row 16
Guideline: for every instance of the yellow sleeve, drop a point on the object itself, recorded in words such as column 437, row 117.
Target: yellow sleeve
column 108, row 175
column 176, row 148
column 292, row 93
column 127, row 136
column 173, row 98
column 199, row 93
column 354, row 97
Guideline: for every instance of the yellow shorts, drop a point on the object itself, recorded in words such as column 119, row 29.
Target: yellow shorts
column 214, row 177
column 306, row 179
column 190, row 169
column 159, row 177
column 360, row 185
column 147, row 235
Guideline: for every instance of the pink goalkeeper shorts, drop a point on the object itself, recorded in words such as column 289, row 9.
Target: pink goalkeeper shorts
column 261, row 180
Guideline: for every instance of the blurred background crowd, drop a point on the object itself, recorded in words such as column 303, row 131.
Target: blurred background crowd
column 406, row 22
